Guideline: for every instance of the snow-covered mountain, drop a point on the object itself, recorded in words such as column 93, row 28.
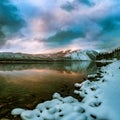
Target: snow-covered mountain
column 59, row 56
column 88, row 55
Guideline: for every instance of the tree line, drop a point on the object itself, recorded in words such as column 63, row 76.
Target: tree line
column 109, row 55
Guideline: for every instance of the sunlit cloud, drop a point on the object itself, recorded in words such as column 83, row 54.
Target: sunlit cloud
column 26, row 45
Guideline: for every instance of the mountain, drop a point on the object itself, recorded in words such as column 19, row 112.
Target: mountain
column 21, row 57
column 85, row 55
column 58, row 56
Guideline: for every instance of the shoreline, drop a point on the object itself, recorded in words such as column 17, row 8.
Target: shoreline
column 92, row 102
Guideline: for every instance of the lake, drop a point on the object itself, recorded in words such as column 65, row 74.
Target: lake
column 26, row 85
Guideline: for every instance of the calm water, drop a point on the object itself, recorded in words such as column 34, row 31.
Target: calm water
column 26, row 85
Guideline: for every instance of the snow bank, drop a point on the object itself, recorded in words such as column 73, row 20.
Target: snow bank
column 101, row 100
column 103, row 94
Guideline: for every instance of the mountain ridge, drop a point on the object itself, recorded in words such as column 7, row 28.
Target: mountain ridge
column 66, row 55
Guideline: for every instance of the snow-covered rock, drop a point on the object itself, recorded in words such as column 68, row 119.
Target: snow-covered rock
column 17, row 111
column 58, row 108
column 87, row 55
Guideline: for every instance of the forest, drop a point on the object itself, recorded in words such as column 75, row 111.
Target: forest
column 114, row 54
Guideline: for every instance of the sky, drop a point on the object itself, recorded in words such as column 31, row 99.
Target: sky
column 41, row 26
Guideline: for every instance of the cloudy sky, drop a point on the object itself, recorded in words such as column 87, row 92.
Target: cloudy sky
column 39, row 26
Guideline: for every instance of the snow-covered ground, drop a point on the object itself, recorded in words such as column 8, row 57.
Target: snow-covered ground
column 101, row 100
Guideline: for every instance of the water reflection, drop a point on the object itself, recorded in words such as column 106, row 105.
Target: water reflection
column 25, row 85
column 61, row 66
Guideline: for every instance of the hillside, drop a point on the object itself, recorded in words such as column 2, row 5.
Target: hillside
column 17, row 57
column 58, row 56
column 85, row 55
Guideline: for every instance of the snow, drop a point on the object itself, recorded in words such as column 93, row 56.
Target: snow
column 57, row 109
column 105, row 93
column 101, row 100
column 92, row 75
column 111, row 93
column 17, row 111
column 84, row 55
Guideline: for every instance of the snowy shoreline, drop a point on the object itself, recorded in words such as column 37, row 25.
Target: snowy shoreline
column 100, row 100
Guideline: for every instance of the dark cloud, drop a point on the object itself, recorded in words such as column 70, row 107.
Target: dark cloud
column 110, row 23
column 62, row 38
column 86, row 2
column 1, row 37
column 10, row 20
column 68, row 6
